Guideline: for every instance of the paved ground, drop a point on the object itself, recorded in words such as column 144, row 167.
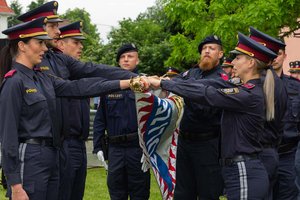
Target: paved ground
column 92, row 158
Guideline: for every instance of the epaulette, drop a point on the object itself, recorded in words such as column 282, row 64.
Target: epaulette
column 248, row 85
column 224, row 76
column 10, row 73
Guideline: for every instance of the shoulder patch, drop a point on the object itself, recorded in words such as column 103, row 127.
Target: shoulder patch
column 230, row 90
column 10, row 73
column 224, row 76
column 248, row 85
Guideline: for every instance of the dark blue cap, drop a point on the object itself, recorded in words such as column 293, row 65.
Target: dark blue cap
column 212, row 39
column 266, row 40
column 31, row 29
column 227, row 62
column 48, row 10
column 126, row 48
column 253, row 49
column 172, row 71
column 73, row 30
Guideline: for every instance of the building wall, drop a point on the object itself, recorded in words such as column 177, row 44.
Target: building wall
column 3, row 25
column 292, row 51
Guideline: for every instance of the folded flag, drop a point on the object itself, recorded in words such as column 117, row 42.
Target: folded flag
column 158, row 120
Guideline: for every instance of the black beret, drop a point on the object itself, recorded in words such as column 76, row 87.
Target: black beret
column 211, row 39
column 125, row 48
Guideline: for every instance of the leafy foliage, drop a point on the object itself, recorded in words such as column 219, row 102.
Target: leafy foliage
column 199, row 18
column 149, row 32
column 92, row 45
column 17, row 8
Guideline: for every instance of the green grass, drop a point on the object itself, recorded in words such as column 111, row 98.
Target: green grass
column 96, row 189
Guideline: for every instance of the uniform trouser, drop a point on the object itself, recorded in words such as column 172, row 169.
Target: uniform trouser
column 297, row 168
column 125, row 177
column 198, row 173
column 269, row 158
column 73, row 169
column 246, row 180
column 39, row 171
column 285, row 187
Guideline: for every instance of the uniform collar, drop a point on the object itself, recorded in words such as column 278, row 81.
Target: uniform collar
column 25, row 70
column 213, row 70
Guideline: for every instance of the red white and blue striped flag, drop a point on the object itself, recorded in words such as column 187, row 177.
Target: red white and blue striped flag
column 158, row 121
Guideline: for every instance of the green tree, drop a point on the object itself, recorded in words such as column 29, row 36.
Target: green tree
column 17, row 8
column 149, row 32
column 199, row 18
column 92, row 45
column 35, row 4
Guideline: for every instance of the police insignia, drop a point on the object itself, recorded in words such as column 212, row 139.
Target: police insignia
column 31, row 90
column 44, row 68
column 115, row 96
column 230, row 90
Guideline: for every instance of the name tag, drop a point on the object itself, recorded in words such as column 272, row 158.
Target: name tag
column 115, row 96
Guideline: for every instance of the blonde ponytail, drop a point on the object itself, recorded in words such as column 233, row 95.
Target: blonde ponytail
column 269, row 90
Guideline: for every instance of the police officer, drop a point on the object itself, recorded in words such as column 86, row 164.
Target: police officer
column 227, row 66
column 273, row 129
column 285, row 187
column 58, row 64
column 244, row 113
column 28, row 112
column 117, row 115
column 73, row 166
column 198, row 171
column 295, row 69
column 172, row 72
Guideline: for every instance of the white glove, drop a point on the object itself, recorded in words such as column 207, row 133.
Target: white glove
column 101, row 159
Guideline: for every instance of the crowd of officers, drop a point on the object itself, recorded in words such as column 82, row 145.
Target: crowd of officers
column 238, row 135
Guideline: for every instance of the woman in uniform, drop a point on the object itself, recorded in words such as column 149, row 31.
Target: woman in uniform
column 27, row 106
column 245, row 109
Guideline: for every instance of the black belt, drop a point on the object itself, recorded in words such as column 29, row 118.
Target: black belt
column 198, row 136
column 39, row 141
column 238, row 158
column 123, row 138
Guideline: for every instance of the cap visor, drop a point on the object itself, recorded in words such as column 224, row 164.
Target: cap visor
column 54, row 20
column 78, row 37
column 43, row 37
column 236, row 52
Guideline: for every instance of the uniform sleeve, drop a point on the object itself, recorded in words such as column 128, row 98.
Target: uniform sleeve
column 99, row 126
column 82, row 70
column 10, row 107
column 86, row 87
column 195, row 90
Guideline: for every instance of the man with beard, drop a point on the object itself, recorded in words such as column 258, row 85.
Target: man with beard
column 198, row 173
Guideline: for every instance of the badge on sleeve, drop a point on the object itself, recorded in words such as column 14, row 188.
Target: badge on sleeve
column 230, row 90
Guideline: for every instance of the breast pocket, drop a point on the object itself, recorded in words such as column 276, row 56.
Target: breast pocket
column 114, row 108
column 295, row 107
column 35, row 101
